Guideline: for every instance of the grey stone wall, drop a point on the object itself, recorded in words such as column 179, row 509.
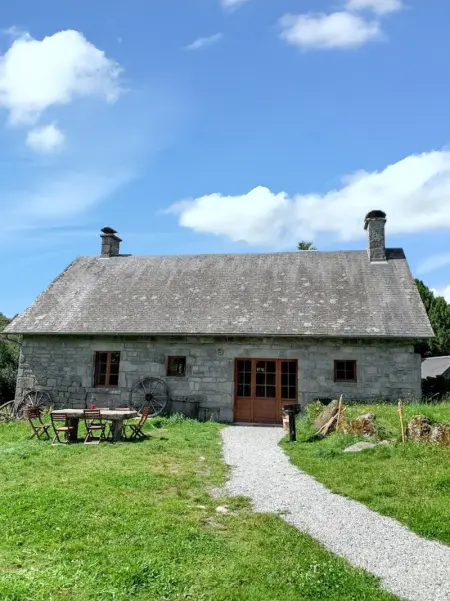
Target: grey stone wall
column 64, row 365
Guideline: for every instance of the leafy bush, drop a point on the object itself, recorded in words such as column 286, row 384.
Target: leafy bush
column 9, row 359
column 313, row 410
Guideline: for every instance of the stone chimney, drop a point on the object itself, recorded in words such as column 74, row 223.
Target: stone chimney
column 110, row 242
column 375, row 224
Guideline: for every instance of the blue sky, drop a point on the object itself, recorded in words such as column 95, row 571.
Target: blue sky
column 195, row 126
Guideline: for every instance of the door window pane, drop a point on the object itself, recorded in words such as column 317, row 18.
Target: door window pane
column 289, row 380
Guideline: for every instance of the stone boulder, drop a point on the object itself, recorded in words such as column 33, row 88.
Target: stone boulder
column 419, row 428
column 359, row 446
column 440, row 433
column 323, row 418
column 362, row 425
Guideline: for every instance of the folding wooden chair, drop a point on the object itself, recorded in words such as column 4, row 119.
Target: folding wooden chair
column 40, row 430
column 60, row 418
column 94, row 423
column 136, row 426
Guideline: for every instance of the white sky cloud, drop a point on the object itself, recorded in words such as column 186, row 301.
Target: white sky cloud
column 202, row 42
column 414, row 193
column 381, row 7
column 433, row 263
column 445, row 292
column 328, row 31
column 232, row 3
column 37, row 74
column 46, row 138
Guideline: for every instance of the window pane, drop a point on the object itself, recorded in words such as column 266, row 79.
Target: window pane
column 293, row 380
column 247, row 390
column 244, row 366
column 113, row 379
column 292, row 393
column 240, row 390
column 102, row 361
column 271, row 367
column 260, row 367
column 285, row 392
column 260, row 379
column 270, row 379
column 114, row 369
column 271, row 392
column 100, row 369
column 261, row 391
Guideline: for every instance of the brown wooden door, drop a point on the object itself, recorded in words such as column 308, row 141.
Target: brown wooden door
column 262, row 387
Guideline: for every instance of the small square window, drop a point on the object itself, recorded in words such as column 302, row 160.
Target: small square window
column 176, row 366
column 345, row 371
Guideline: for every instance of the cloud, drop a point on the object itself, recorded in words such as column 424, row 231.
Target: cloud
column 232, row 3
column 202, row 42
column 445, row 292
column 381, row 7
column 108, row 149
column 414, row 192
column 38, row 74
column 46, row 138
column 433, row 263
column 328, row 31
column 69, row 195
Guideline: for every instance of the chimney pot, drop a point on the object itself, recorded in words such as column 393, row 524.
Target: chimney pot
column 110, row 242
column 375, row 224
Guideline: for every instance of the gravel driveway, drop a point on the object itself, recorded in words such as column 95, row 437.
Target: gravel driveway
column 408, row 565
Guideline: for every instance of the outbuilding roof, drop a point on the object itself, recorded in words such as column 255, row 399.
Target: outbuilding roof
column 435, row 366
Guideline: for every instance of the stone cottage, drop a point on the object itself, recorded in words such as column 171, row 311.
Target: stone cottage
column 244, row 333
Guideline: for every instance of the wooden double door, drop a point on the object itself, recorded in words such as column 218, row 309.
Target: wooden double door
column 262, row 387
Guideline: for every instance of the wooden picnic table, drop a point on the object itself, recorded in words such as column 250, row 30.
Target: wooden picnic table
column 116, row 417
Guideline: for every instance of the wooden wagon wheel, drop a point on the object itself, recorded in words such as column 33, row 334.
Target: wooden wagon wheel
column 7, row 412
column 151, row 393
column 39, row 399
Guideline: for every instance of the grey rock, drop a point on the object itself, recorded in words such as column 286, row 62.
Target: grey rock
column 419, row 428
column 359, row 446
column 362, row 425
column 325, row 416
column 440, row 433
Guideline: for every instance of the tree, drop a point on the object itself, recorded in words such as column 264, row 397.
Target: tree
column 9, row 359
column 438, row 311
column 303, row 245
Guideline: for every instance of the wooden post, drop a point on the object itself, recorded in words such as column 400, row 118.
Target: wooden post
column 339, row 413
column 401, row 414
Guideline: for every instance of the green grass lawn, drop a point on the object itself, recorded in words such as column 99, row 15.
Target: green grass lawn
column 410, row 482
column 136, row 520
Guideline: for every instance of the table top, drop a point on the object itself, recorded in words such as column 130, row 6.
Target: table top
column 111, row 414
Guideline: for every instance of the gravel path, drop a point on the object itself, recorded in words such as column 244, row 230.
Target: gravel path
column 408, row 565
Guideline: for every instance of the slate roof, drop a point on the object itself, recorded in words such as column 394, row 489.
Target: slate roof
column 307, row 293
column 435, row 366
